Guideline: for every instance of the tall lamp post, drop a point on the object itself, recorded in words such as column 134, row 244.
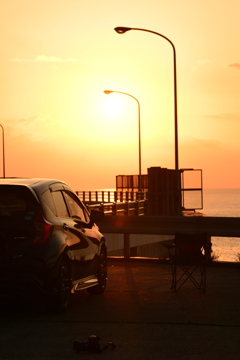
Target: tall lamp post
column 139, row 134
column 3, row 150
column 122, row 30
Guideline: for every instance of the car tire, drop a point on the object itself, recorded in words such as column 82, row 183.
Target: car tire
column 102, row 275
column 58, row 302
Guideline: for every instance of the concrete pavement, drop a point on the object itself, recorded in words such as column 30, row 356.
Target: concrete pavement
column 138, row 313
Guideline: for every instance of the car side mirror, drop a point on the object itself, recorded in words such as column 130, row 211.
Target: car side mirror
column 96, row 215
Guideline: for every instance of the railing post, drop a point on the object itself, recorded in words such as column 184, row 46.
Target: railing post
column 126, row 246
column 121, row 196
column 127, row 208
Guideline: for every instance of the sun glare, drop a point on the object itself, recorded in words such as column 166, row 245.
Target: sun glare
column 112, row 105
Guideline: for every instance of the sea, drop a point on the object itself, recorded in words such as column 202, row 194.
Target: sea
column 223, row 203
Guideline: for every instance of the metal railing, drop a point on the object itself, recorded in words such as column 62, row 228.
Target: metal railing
column 111, row 196
column 192, row 191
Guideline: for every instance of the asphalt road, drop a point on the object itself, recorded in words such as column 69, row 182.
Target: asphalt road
column 138, row 313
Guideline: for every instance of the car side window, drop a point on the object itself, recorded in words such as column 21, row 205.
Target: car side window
column 61, row 207
column 74, row 205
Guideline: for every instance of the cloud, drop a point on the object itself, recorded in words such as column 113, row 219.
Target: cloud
column 193, row 142
column 226, row 117
column 203, row 62
column 200, row 63
column 44, row 59
column 235, row 65
column 38, row 127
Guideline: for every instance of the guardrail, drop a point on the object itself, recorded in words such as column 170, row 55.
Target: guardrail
column 170, row 225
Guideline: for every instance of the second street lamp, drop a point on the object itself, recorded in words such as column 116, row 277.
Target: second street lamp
column 139, row 134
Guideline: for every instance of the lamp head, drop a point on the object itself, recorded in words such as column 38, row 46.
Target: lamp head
column 108, row 92
column 122, row 29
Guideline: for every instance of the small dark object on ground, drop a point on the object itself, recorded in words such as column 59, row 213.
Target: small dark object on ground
column 92, row 345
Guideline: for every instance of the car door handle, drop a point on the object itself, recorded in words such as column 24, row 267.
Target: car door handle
column 65, row 227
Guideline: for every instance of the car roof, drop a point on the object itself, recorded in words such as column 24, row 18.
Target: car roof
column 39, row 184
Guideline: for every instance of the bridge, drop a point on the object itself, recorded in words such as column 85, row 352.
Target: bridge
column 131, row 217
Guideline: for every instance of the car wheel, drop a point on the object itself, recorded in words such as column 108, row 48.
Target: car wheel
column 59, row 301
column 102, row 276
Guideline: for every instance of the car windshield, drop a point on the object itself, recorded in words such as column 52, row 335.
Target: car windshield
column 17, row 201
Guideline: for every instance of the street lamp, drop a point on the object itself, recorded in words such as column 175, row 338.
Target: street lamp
column 3, row 151
column 139, row 133
column 122, row 30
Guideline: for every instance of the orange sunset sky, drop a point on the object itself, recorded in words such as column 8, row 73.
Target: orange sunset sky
column 58, row 56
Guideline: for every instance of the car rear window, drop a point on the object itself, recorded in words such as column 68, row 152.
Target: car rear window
column 48, row 200
column 17, row 201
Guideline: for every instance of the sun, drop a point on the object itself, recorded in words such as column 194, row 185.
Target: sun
column 112, row 105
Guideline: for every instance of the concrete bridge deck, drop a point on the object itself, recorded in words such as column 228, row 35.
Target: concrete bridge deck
column 139, row 313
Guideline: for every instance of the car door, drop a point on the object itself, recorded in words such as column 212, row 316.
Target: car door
column 84, row 251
